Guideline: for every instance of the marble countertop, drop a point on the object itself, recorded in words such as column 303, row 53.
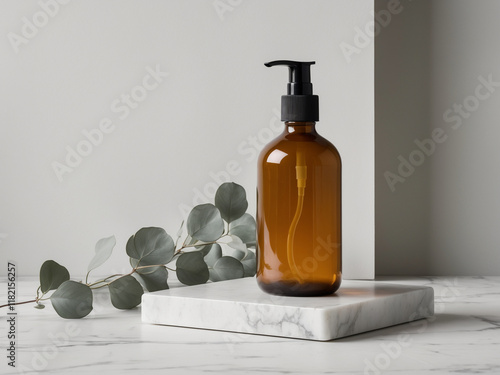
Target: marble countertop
column 462, row 337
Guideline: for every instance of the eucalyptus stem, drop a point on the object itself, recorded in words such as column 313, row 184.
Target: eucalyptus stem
column 37, row 297
column 104, row 280
column 100, row 286
column 17, row 303
column 184, row 246
column 96, row 283
column 109, row 277
column 152, row 265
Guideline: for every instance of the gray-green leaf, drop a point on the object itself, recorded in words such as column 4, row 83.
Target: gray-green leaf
column 151, row 246
column 72, row 300
column 191, row 268
column 227, row 268
column 179, row 231
column 133, row 262
column 249, row 264
column 213, row 255
column 52, row 274
column 244, row 228
column 103, row 249
column 154, row 278
column 125, row 292
column 239, row 248
column 204, row 249
column 231, row 200
column 39, row 306
column 204, row 223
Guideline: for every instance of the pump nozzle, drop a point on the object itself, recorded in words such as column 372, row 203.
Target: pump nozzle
column 299, row 104
column 299, row 81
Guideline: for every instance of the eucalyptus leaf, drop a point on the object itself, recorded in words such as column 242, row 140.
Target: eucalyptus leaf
column 72, row 300
column 227, row 268
column 151, row 246
column 244, row 228
column 250, row 255
column 234, row 253
column 155, row 278
column 237, row 243
column 237, row 249
column 125, row 292
column 204, row 249
column 214, row 253
column 52, row 275
column 191, row 268
column 39, row 306
column 103, row 249
column 190, row 240
column 213, row 276
column 204, row 223
column 249, row 264
column 133, row 262
column 179, row 232
column 231, row 200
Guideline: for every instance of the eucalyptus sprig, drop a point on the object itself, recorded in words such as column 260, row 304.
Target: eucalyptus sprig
column 218, row 246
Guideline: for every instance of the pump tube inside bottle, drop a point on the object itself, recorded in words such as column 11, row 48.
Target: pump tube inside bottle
column 301, row 175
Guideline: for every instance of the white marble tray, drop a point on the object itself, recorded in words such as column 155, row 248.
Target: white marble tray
column 240, row 306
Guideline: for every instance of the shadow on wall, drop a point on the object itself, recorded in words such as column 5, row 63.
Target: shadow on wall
column 402, row 127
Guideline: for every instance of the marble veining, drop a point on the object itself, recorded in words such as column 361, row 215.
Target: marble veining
column 462, row 337
column 240, row 306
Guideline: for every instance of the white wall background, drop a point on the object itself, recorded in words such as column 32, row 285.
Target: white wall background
column 444, row 219
column 157, row 157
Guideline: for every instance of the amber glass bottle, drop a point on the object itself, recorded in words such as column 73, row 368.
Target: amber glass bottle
column 299, row 206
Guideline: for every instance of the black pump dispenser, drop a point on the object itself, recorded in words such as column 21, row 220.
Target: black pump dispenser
column 299, row 104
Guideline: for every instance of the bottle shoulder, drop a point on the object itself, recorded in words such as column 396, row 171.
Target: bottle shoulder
column 314, row 145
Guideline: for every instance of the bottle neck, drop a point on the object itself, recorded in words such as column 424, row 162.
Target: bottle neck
column 300, row 127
